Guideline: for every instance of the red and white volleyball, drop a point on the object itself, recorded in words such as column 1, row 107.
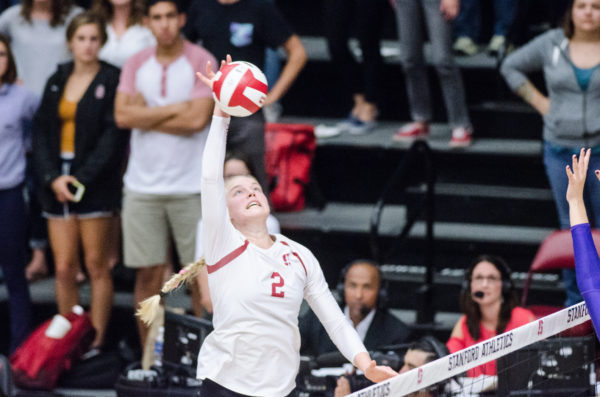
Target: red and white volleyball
column 240, row 88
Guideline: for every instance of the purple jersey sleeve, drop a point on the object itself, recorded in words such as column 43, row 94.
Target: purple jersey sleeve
column 587, row 267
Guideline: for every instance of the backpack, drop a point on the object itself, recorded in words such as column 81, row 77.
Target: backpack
column 289, row 151
column 39, row 361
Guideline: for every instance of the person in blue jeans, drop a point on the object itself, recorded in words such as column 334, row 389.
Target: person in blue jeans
column 436, row 16
column 568, row 58
column 467, row 26
column 17, row 108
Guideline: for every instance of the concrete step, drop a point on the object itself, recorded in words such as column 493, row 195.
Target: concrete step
column 356, row 168
column 489, row 204
column 506, row 119
column 340, row 233
column 354, row 218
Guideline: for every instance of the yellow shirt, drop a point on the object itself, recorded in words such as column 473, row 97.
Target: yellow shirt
column 66, row 112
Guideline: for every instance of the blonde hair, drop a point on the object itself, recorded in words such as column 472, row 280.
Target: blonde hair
column 148, row 308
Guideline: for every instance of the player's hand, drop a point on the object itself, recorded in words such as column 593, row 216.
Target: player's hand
column 342, row 388
column 576, row 175
column 378, row 373
column 210, row 75
column 60, row 186
column 209, row 80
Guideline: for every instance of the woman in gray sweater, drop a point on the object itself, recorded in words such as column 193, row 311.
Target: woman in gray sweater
column 569, row 58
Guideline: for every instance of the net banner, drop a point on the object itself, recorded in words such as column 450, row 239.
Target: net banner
column 480, row 353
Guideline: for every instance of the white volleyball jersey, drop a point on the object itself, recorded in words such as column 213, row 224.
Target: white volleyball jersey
column 256, row 295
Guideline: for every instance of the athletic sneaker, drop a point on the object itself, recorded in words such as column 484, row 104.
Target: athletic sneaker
column 411, row 132
column 496, row 45
column 324, row 131
column 461, row 137
column 360, row 127
column 346, row 123
column 465, row 46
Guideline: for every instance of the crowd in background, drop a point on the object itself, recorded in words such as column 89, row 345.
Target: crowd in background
column 101, row 99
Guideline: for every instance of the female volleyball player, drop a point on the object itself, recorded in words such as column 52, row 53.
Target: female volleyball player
column 257, row 283
column 587, row 264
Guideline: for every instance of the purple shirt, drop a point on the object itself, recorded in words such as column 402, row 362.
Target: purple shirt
column 17, row 107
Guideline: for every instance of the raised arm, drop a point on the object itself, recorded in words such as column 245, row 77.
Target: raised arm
column 587, row 263
column 577, row 175
column 214, row 208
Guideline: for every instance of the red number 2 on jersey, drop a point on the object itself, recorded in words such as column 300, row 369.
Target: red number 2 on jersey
column 277, row 284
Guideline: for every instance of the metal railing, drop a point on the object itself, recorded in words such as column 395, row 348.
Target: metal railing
column 417, row 162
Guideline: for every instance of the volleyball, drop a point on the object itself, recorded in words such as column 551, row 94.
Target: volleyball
column 240, row 88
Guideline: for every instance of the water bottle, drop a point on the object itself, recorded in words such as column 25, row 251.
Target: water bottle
column 158, row 346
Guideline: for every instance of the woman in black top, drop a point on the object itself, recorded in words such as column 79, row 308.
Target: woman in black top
column 76, row 142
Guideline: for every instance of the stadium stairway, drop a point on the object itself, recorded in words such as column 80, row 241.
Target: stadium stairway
column 492, row 197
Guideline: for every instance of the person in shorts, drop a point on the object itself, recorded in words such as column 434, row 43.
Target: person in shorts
column 168, row 109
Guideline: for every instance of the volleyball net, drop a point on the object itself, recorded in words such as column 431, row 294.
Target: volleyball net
column 532, row 360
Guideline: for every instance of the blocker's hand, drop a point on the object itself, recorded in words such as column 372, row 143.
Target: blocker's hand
column 576, row 175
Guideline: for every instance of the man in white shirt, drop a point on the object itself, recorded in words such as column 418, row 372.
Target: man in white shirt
column 168, row 108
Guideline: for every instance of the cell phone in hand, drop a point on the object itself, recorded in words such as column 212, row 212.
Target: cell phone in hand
column 77, row 189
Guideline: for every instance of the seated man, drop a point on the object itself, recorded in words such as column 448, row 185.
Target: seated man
column 419, row 353
column 364, row 307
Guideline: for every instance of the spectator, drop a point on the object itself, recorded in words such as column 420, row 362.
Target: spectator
column 235, row 164
column 437, row 16
column 366, row 17
column 244, row 29
column 419, row 353
column 365, row 309
column 467, row 26
column 77, row 141
column 569, row 59
column 36, row 29
column 168, row 109
column 489, row 303
column 17, row 107
column 126, row 34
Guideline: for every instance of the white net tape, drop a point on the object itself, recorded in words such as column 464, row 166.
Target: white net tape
column 473, row 356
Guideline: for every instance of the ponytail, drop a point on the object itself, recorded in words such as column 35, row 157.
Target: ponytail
column 148, row 309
